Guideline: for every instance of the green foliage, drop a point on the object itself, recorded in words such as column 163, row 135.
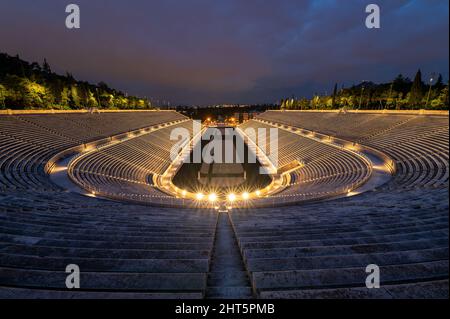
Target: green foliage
column 439, row 102
column 26, row 85
column 3, row 93
column 416, row 96
column 400, row 94
column 334, row 96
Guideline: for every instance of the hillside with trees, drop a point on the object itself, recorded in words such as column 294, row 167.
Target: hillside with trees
column 400, row 94
column 25, row 85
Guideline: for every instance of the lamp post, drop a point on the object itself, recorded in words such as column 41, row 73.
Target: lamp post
column 390, row 93
column 360, row 99
column 429, row 91
column 98, row 98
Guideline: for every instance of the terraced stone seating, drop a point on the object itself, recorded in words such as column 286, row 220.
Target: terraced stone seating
column 25, row 150
column 326, row 171
column 352, row 126
column 417, row 143
column 28, row 142
column 420, row 150
column 88, row 127
column 314, row 250
column 322, row 250
column 124, row 170
column 122, row 250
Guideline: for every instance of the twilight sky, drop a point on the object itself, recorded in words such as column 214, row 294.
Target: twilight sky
column 229, row 51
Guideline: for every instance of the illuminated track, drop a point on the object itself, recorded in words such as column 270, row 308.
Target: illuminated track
column 200, row 199
column 102, row 174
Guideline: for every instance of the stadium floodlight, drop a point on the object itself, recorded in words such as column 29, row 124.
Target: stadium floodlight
column 199, row 196
column 92, row 194
column 245, row 195
column 212, row 197
column 231, row 197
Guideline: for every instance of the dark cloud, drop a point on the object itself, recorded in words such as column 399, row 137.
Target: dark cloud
column 202, row 51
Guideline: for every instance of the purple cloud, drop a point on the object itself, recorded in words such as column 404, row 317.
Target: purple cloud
column 201, row 52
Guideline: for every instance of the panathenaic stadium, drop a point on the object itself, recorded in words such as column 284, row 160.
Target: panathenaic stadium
column 100, row 190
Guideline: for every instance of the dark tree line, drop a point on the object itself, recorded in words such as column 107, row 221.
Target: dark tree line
column 25, row 85
column 400, row 94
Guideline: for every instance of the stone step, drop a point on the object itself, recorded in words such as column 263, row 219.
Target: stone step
column 347, row 261
column 83, row 230
column 23, row 293
column 29, row 240
column 363, row 225
column 111, row 265
column 429, row 290
column 180, row 226
column 108, row 281
column 229, row 293
column 44, row 251
column 105, row 220
column 343, row 235
column 433, row 234
column 111, row 238
column 227, row 278
column 348, row 276
column 344, row 250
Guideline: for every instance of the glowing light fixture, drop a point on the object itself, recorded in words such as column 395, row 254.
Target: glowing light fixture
column 183, row 193
column 352, row 193
column 245, row 195
column 199, row 196
column 258, row 193
column 92, row 194
column 212, row 197
column 59, row 169
column 231, row 197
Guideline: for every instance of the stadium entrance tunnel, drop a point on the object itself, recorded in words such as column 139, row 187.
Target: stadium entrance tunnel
column 233, row 169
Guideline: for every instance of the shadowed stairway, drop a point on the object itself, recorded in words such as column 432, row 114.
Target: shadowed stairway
column 227, row 277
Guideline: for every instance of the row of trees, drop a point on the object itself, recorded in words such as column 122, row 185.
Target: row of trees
column 25, row 85
column 400, row 94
